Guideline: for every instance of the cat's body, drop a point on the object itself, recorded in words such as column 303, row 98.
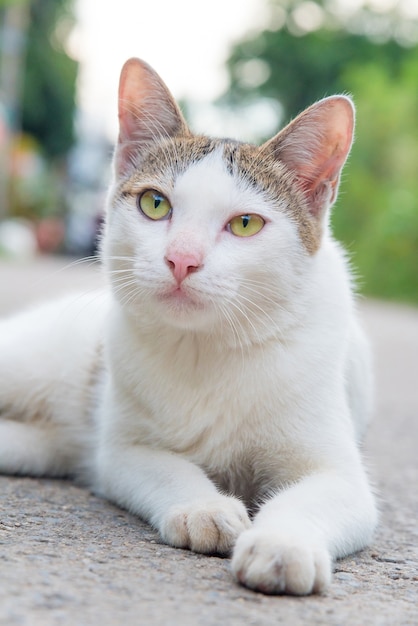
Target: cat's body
column 219, row 369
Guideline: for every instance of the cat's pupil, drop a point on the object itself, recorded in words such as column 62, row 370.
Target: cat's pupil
column 157, row 202
column 245, row 220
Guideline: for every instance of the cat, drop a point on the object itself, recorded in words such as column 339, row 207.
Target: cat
column 219, row 387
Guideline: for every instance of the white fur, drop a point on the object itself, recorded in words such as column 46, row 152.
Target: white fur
column 250, row 387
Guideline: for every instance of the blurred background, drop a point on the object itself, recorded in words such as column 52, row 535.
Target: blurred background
column 241, row 68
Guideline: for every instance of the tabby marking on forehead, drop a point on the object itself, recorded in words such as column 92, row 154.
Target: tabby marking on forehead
column 166, row 160
column 272, row 177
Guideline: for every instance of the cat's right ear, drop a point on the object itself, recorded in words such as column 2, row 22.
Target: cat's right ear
column 147, row 113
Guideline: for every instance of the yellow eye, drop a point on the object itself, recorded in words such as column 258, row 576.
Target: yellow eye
column 246, row 225
column 154, row 205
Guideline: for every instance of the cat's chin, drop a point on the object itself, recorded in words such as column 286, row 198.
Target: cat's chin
column 183, row 310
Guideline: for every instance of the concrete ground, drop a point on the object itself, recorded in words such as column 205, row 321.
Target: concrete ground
column 68, row 558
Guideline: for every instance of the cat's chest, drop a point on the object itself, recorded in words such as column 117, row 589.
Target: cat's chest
column 181, row 394
column 233, row 416
column 189, row 400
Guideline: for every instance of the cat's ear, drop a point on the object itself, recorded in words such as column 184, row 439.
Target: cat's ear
column 314, row 146
column 147, row 112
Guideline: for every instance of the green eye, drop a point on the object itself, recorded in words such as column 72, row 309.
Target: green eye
column 154, row 205
column 246, row 225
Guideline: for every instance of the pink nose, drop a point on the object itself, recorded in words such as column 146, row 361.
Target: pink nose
column 182, row 265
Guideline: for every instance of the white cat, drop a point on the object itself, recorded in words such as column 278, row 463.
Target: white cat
column 224, row 373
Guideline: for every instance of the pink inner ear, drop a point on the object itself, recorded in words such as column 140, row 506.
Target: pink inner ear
column 325, row 169
column 129, row 93
column 335, row 146
column 147, row 111
column 315, row 146
column 141, row 98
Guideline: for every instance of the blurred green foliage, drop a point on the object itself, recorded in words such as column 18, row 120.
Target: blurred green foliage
column 378, row 209
column 376, row 215
column 38, row 84
column 50, row 77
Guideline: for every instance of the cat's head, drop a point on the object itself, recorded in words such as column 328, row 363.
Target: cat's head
column 206, row 234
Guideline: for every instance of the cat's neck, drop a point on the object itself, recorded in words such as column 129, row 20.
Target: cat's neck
column 142, row 327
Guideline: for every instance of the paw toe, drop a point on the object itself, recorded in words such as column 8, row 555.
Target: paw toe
column 207, row 527
column 272, row 566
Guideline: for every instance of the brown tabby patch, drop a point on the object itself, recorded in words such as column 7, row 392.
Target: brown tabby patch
column 161, row 164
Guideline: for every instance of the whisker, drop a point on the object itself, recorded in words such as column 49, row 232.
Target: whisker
column 260, row 290
column 235, row 326
column 125, row 293
column 127, row 270
column 265, row 319
column 87, row 260
column 247, row 318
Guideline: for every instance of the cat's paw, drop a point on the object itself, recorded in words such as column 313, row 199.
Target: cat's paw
column 265, row 562
column 210, row 526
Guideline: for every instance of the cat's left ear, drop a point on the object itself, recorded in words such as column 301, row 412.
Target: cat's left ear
column 147, row 112
column 315, row 146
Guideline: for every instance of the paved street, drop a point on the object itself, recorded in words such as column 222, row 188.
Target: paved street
column 68, row 558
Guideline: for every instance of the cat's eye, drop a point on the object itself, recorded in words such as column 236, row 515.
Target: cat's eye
column 154, row 205
column 246, row 225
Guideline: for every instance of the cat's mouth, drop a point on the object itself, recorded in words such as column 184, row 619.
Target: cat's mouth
column 180, row 298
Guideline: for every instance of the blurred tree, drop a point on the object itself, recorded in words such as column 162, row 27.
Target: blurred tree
column 378, row 209
column 38, row 82
column 303, row 54
column 313, row 49
column 50, row 77
column 300, row 70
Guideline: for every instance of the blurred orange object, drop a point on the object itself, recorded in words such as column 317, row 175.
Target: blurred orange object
column 50, row 233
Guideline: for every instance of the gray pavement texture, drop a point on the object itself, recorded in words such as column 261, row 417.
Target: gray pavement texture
column 71, row 559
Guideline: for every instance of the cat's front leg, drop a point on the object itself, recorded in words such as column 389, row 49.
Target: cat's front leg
column 173, row 495
column 297, row 534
